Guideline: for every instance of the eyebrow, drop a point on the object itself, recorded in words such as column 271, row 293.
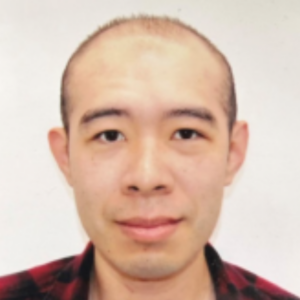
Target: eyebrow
column 199, row 113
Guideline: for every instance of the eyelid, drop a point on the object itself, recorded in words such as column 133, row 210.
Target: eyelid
column 97, row 136
column 199, row 134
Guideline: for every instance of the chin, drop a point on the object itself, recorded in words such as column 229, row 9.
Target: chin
column 149, row 269
column 155, row 265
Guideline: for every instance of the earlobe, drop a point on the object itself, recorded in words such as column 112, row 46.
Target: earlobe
column 58, row 142
column 237, row 150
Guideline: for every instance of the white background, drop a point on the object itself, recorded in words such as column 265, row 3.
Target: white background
column 260, row 224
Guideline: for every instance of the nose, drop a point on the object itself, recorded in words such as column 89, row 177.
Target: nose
column 147, row 172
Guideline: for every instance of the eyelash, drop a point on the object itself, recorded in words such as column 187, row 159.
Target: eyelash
column 97, row 136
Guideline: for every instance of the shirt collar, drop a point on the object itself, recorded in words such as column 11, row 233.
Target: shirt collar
column 72, row 283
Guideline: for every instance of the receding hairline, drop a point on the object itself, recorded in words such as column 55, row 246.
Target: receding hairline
column 166, row 28
column 162, row 27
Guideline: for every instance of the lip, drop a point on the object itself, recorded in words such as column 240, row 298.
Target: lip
column 149, row 230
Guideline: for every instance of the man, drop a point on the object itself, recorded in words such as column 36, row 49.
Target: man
column 150, row 140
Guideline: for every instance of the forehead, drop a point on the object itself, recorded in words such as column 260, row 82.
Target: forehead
column 142, row 63
column 113, row 53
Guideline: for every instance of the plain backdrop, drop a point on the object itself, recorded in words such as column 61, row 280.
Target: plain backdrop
column 259, row 226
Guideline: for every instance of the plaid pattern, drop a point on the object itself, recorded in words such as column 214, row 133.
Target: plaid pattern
column 68, row 279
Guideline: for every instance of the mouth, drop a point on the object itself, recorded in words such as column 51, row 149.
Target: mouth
column 149, row 230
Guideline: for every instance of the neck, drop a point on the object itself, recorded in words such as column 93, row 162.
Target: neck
column 192, row 283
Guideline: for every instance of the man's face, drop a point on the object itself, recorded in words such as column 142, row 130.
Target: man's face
column 148, row 187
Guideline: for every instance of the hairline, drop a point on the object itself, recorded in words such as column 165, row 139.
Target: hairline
column 133, row 24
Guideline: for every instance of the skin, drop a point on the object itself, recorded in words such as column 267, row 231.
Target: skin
column 151, row 169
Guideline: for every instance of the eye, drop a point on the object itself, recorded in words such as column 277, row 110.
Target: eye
column 186, row 134
column 108, row 135
column 112, row 135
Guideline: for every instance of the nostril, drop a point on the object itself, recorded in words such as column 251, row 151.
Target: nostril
column 133, row 188
column 159, row 187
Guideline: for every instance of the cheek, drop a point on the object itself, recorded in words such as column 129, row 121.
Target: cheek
column 93, row 173
column 202, row 182
column 205, row 174
column 94, row 184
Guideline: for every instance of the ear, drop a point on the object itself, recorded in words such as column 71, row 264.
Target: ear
column 58, row 141
column 237, row 150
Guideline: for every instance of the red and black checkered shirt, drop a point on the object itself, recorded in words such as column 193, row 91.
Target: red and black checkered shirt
column 68, row 279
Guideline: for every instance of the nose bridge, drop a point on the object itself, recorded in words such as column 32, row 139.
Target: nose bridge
column 147, row 172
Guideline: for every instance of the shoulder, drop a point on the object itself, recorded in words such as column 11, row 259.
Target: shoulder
column 33, row 283
column 252, row 286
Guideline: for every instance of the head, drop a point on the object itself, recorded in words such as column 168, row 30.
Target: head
column 149, row 134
